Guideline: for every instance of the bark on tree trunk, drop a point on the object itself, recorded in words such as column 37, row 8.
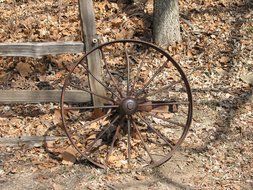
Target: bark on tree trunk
column 166, row 22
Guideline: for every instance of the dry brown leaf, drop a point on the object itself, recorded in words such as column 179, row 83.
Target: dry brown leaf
column 57, row 117
column 73, row 113
column 69, row 156
column 3, row 77
column 97, row 113
column 144, row 136
column 120, row 35
column 93, row 136
column 103, row 147
column 135, row 135
column 24, row 69
column 116, row 22
column 112, row 159
column 104, row 122
column 49, row 144
column 167, row 115
column 177, row 57
column 57, row 186
column 41, row 129
column 224, row 59
column 94, row 126
column 140, row 177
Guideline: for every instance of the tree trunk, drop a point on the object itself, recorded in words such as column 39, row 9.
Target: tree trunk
column 166, row 22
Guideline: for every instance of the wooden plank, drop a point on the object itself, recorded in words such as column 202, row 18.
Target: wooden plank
column 90, row 37
column 31, row 141
column 38, row 49
column 42, row 96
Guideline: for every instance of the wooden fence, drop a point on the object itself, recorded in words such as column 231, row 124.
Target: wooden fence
column 39, row 49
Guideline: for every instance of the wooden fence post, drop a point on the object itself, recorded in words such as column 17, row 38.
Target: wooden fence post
column 90, row 39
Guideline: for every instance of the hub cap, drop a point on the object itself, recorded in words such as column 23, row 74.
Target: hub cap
column 129, row 106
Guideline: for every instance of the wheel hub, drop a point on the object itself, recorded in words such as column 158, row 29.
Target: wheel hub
column 129, row 106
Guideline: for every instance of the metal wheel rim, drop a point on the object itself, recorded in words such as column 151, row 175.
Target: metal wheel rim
column 175, row 64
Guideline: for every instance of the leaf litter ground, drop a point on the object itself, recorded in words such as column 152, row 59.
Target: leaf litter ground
column 216, row 53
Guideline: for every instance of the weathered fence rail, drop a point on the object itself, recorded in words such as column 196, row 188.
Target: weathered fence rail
column 39, row 49
column 41, row 96
column 32, row 141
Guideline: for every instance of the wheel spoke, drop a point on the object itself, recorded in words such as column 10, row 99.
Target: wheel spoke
column 129, row 140
column 160, row 90
column 95, row 94
column 151, row 79
column 138, row 73
column 164, row 103
column 107, row 70
column 113, row 142
column 128, row 69
column 144, row 144
column 160, row 111
column 167, row 120
column 101, row 134
column 90, row 107
column 86, row 67
column 157, row 132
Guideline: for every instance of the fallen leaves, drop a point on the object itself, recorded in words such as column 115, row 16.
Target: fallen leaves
column 222, row 38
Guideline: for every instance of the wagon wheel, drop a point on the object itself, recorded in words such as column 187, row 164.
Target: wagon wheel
column 147, row 108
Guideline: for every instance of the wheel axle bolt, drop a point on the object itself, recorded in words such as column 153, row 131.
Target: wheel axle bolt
column 94, row 41
column 130, row 105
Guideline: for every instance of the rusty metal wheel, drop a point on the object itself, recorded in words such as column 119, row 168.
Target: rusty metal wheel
column 147, row 108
